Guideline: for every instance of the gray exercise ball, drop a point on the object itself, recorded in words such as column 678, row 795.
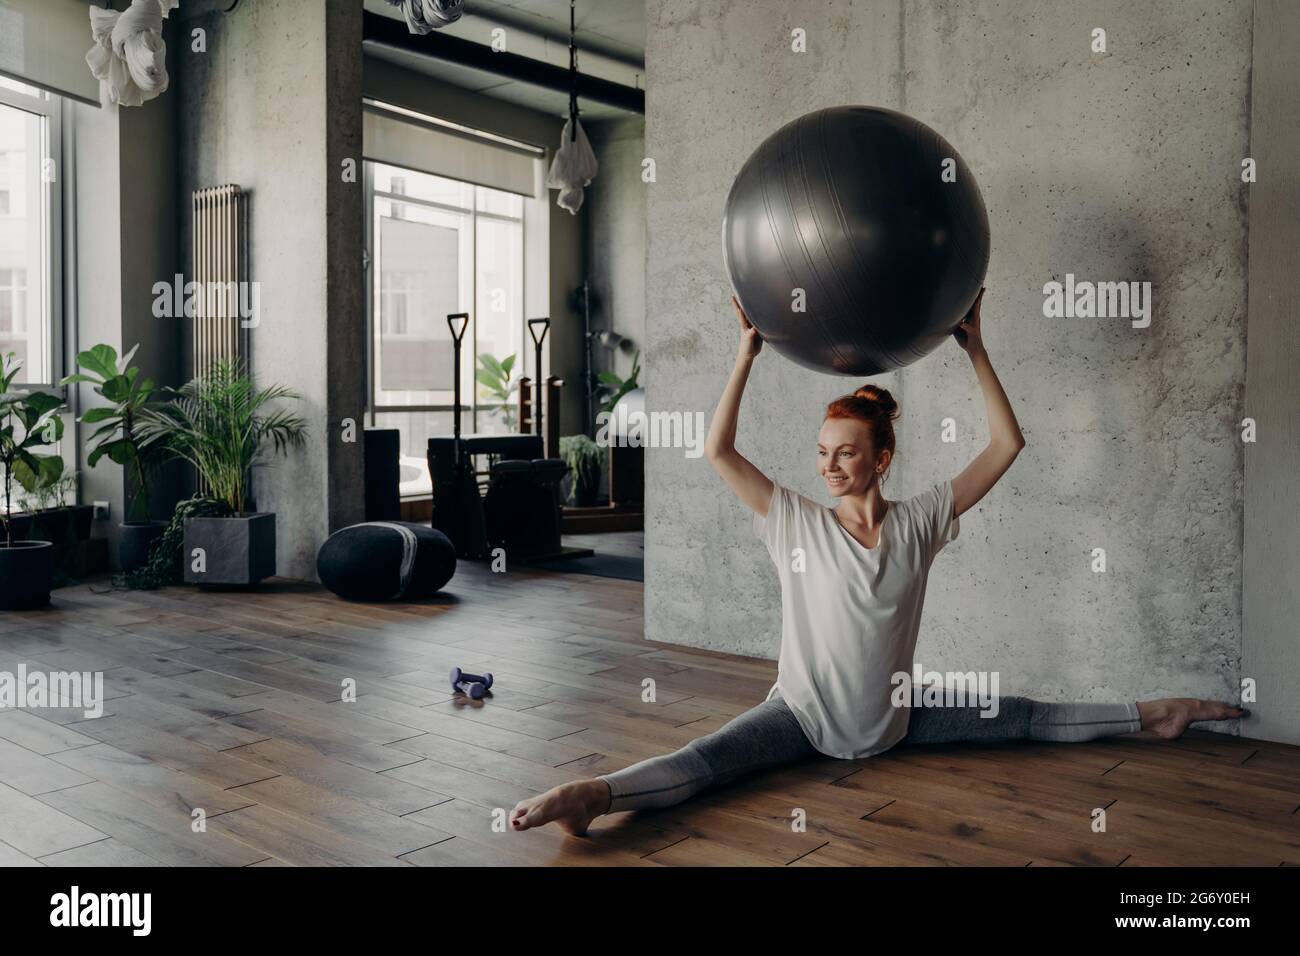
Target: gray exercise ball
column 850, row 204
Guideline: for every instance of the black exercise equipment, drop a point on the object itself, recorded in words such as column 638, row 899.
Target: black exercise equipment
column 386, row 560
column 383, row 452
column 851, row 205
column 521, row 511
column 457, row 508
column 457, row 504
column 522, row 508
column 537, row 364
column 457, row 676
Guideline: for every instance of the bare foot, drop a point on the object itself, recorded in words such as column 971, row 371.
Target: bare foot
column 572, row 805
column 1169, row 717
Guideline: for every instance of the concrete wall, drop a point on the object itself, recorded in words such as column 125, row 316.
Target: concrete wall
column 1272, row 534
column 1121, row 165
column 616, row 202
column 394, row 84
column 274, row 106
column 149, row 254
column 124, row 189
column 345, row 276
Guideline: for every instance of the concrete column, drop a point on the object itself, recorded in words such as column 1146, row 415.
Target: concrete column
column 274, row 107
column 1271, row 599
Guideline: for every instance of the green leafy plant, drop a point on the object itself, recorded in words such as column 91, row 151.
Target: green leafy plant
column 45, row 502
column 120, row 435
column 220, row 422
column 586, row 460
column 494, row 376
column 35, row 417
column 164, row 566
column 618, row 387
column 52, row 491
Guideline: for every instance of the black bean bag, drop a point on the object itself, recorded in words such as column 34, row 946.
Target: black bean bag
column 386, row 560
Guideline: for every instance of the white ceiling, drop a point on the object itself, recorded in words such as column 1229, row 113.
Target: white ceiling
column 610, row 39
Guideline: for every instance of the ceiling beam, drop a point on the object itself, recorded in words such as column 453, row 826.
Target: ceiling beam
column 388, row 32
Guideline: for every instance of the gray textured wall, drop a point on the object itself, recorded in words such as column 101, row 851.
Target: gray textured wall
column 124, row 194
column 1272, row 534
column 1115, row 166
column 616, row 201
column 273, row 106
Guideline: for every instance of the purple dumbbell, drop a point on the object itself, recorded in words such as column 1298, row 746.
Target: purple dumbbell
column 474, row 690
column 472, row 684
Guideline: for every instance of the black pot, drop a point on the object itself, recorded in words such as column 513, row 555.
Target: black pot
column 585, row 492
column 26, row 572
column 82, row 518
column 133, row 544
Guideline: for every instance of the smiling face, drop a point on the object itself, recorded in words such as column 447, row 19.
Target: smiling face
column 846, row 457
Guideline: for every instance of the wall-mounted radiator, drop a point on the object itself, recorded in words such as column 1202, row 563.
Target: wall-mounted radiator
column 218, row 237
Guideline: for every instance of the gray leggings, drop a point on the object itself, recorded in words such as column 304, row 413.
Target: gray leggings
column 769, row 735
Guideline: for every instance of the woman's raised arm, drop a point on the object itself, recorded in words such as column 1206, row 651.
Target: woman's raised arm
column 750, row 485
column 1005, row 439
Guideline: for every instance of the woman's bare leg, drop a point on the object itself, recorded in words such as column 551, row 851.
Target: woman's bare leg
column 761, row 737
column 1170, row 716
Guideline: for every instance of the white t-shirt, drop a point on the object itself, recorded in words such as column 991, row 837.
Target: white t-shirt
column 850, row 618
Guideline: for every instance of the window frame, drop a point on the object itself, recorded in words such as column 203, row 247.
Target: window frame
column 371, row 194
column 51, row 107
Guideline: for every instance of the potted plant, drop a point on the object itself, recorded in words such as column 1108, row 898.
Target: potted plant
column 494, row 376
column 219, row 422
column 50, row 518
column 586, row 461
column 28, row 420
column 121, row 437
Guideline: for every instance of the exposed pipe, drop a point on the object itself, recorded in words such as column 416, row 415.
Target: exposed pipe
column 388, row 32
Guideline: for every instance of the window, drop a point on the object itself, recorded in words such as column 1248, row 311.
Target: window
column 31, row 241
column 13, row 306
column 30, row 236
column 438, row 246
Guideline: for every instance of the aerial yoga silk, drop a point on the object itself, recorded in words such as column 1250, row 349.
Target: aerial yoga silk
column 573, row 168
column 423, row 16
column 129, row 54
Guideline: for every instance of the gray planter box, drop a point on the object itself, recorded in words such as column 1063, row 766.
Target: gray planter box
column 237, row 552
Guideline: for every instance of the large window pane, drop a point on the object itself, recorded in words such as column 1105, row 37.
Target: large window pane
column 406, row 182
column 24, row 244
column 422, row 262
column 500, row 203
column 429, row 261
column 500, row 293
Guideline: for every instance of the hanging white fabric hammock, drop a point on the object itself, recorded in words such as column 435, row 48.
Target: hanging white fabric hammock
column 424, row 16
column 130, row 54
column 573, row 168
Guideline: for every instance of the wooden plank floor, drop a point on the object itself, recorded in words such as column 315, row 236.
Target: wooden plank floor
column 231, row 703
